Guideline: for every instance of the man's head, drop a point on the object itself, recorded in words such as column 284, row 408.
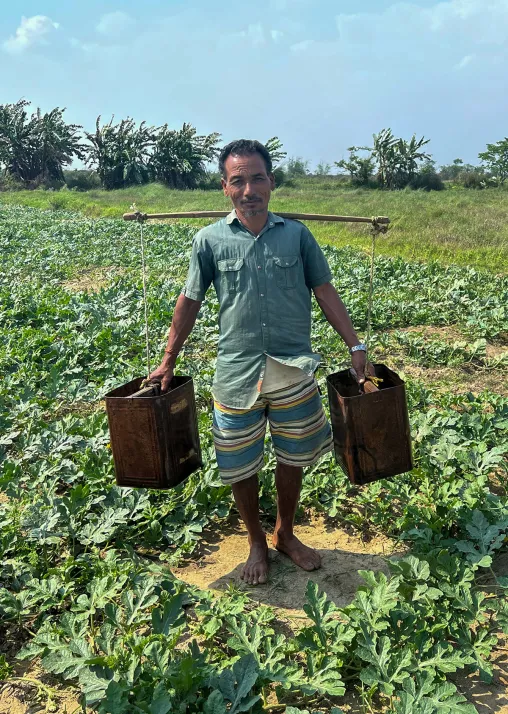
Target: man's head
column 247, row 177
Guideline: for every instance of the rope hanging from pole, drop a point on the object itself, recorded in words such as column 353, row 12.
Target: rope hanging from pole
column 376, row 230
column 145, row 301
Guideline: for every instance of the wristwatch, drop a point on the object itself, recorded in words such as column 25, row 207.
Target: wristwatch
column 358, row 348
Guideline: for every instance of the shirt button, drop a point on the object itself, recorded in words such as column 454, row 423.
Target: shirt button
column 271, row 224
column 264, row 324
column 262, row 294
column 259, row 267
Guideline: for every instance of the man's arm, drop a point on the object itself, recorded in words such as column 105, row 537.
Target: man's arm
column 184, row 319
column 335, row 312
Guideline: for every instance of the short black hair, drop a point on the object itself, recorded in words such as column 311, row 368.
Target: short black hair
column 244, row 147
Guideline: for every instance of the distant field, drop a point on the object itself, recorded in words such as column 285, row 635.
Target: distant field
column 453, row 226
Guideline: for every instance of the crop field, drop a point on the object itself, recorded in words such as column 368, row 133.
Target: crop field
column 127, row 601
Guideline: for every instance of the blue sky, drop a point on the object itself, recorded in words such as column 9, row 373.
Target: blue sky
column 322, row 75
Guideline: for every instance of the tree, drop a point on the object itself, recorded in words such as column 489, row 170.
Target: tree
column 120, row 152
column 274, row 148
column 495, row 159
column 397, row 159
column 34, row 149
column 179, row 156
column 359, row 168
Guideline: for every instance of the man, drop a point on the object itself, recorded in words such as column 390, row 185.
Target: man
column 263, row 268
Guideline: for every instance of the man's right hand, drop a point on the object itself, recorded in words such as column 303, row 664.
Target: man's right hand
column 164, row 374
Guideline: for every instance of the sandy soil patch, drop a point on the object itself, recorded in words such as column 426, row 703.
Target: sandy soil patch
column 343, row 555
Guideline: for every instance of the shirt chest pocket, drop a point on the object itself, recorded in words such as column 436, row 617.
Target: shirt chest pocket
column 230, row 271
column 286, row 271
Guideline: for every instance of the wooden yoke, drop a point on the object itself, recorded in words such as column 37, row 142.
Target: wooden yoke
column 138, row 216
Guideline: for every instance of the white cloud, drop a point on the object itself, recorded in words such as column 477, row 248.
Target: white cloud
column 464, row 62
column 114, row 23
column 32, row 31
column 479, row 21
column 256, row 34
column 302, row 46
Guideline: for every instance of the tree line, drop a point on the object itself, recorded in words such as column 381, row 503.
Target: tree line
column 36, row 148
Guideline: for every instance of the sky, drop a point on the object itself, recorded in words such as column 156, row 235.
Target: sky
column 322, row 75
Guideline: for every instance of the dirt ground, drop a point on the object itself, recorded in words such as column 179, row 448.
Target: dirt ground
column 36, row 692
column 342, row 555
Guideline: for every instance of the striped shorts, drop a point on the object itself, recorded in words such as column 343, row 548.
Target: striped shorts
column 299, row 428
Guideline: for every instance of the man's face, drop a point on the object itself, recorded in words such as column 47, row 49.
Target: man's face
column 248, row 184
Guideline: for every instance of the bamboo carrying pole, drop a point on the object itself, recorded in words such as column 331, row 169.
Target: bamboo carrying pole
column 381, row 220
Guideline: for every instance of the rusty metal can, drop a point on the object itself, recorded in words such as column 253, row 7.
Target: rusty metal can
column 370, row 430
column 154, row 438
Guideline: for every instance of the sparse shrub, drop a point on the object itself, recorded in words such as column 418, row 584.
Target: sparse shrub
column 359, row 168
column 57, row 203
column 297, row 167
column 323, row 169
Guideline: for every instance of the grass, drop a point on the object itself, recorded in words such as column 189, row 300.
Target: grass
column 464, row 227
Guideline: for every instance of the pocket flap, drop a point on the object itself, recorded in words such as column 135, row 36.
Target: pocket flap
column 230, row 264
column 286, row 262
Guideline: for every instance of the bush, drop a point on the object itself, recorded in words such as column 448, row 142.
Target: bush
column 82, row 180
column 8, row 182
column 427, row 180
column 210, row 181
column 476, row 179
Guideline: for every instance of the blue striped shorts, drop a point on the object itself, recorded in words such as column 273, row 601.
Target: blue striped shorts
column 299, row 428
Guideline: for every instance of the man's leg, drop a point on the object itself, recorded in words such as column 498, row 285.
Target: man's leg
column 239, row 436
column 246, row 495
column 288, row 480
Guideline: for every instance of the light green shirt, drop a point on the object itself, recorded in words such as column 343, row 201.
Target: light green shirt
column 263, row 285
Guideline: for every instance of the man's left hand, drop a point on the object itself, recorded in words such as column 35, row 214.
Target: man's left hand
column 361, row 366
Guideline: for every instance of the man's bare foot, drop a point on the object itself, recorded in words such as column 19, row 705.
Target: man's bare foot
column 255, row 570
column 303, row 556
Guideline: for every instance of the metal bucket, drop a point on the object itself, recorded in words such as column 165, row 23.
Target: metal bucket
column 371, row 430
column 154, row 439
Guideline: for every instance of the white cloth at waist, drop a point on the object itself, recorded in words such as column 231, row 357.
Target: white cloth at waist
column 279, row 376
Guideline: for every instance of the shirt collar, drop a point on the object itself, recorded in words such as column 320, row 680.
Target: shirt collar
column 272, row 218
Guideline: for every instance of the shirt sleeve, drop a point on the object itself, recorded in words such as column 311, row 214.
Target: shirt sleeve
column 201, row 269
column 315, row 266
